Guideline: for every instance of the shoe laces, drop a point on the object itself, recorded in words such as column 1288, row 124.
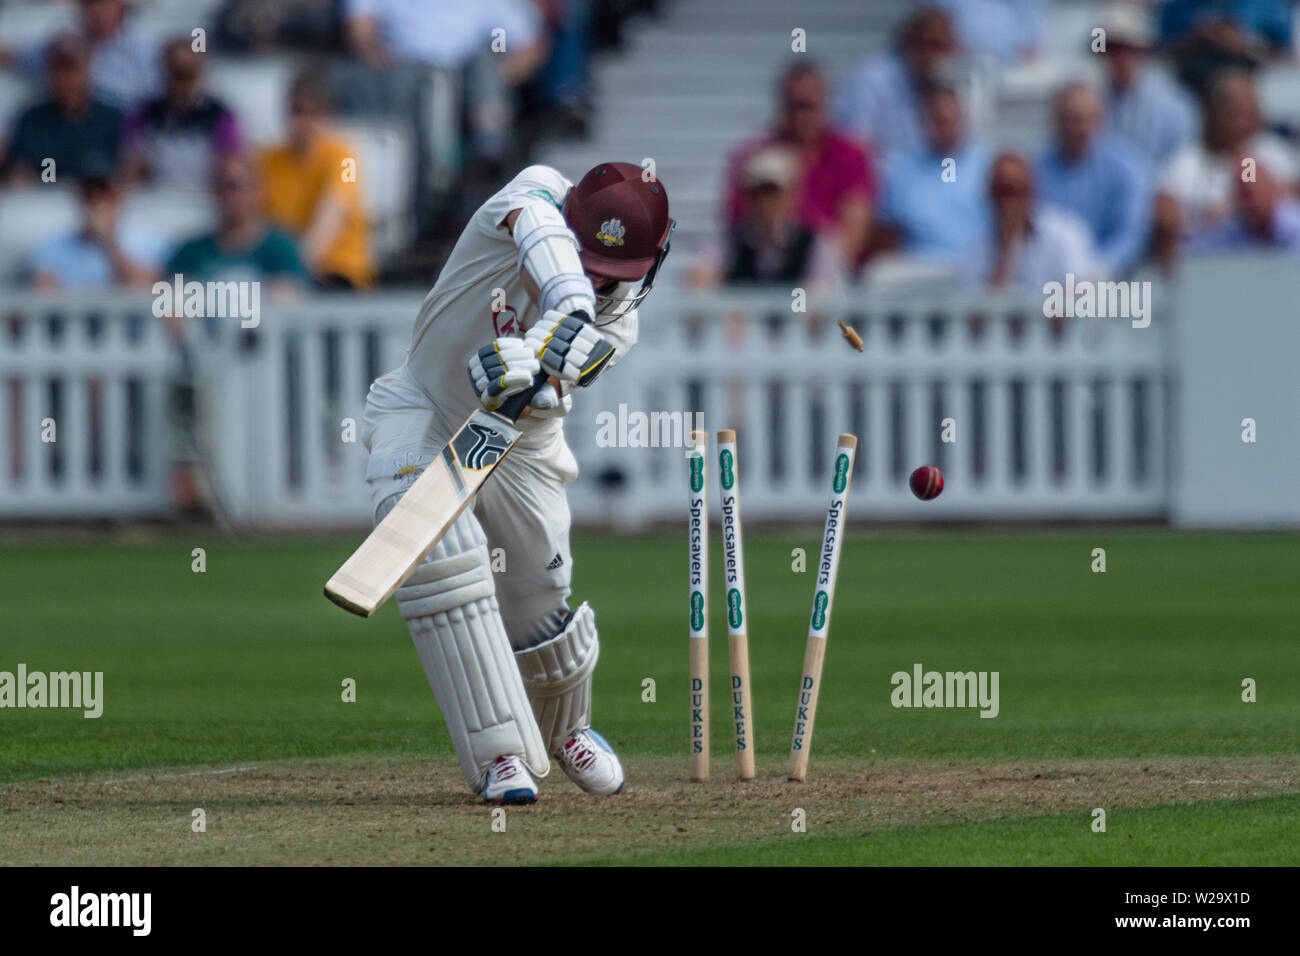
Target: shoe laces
column 579, row 752
column 505, row 768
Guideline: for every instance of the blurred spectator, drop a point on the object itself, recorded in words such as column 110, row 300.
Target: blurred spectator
column 173, row 140
column 243, row 247
column 123, row 66
column 1006, row 31
column 564, row 75
column 311, row 194
column 1097, row 179
column 102, row 252
column 1199, row 179
column 455, row 36
column 1027, row 244
column 881, row 101
column 1266, row 217
column 836, row 184
column 81, row 134
column 768, row 244
column 263, row 25
column 443, row 34
column 933, row 199
column 1152, row 113
column 1206, row 36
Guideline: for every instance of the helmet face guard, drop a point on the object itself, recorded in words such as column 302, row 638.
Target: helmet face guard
column 626, row 296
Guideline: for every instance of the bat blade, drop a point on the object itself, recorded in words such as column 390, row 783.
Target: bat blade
column 423, row 514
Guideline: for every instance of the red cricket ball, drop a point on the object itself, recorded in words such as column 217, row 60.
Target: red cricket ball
column 926, row 482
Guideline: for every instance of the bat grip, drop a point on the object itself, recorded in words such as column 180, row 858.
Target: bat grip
column 514, row 406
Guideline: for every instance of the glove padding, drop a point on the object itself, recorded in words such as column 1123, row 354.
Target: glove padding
column 503, row 367
column 569, row 347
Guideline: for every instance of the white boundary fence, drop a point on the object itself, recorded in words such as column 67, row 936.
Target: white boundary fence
column 83, row 407
column 1051, row 420
column 1072, row 419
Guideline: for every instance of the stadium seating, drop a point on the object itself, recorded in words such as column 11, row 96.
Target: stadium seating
column 386, row 173
column 254, row 88
column 31, row 216
column 28, row 217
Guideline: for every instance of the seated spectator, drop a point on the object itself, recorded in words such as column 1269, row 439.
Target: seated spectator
column 1206, row 36
column 768, row 245
column 1266, row 217
column 1151, row 113
column 123, row 67
column 102, row 253
column 264, row 25
column 174, row 140
column 1028, row 244
column 244, row 248
column 1199, row 179
column 79, row 133
column 835, row 186
column 444, row 34
column 309, row 196
column 455, row 36
column 563, row 77
column 1097, row 179
column 1005, row 31
column 880, row 104
column 932, row 204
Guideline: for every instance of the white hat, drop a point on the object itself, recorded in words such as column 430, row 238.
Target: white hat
column 1128, row 24
column 773, row 166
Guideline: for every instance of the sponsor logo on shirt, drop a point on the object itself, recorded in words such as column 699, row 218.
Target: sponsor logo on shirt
column 505, row 321
column 546, row 195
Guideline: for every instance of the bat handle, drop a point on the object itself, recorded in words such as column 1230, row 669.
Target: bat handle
column 514, row 406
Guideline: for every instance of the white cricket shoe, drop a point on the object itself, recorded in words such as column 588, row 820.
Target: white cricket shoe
column 591, row 763
column 508, row 781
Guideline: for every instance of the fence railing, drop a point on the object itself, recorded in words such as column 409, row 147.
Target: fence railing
column 1045, row 418
column 84, row 407
column 1027, row 417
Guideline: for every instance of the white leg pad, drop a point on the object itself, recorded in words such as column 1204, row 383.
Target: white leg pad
column 558, row 673
column 451, row 610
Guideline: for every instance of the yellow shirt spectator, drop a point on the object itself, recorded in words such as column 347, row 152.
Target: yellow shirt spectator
column 303, row 188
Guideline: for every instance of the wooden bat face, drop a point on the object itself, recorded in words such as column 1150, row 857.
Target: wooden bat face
column 432, row 504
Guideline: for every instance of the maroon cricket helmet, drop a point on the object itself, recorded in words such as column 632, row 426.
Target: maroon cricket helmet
column 621, row 221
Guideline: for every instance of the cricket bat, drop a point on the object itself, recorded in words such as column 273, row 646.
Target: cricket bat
column 432, row 504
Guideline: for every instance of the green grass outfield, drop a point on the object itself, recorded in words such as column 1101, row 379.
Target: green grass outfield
column 1251, row 832
column 243, row 664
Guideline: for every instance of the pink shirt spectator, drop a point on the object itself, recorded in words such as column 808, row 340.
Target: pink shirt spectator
column 839, row 171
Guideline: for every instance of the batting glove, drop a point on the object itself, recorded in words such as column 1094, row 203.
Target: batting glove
column 569, row 347
column 503, row 367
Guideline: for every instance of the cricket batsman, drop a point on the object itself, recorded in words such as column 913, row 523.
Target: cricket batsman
column 546, row 276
